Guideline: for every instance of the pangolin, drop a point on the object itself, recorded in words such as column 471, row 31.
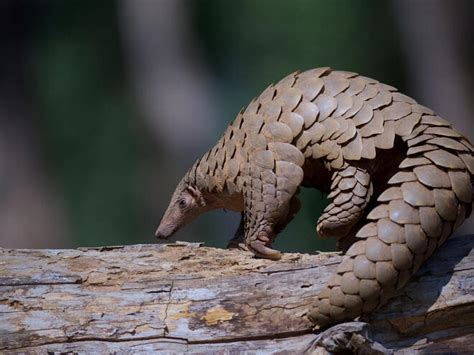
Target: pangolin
column 399, row 179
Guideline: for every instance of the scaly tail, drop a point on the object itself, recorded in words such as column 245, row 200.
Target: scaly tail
column 425, row 202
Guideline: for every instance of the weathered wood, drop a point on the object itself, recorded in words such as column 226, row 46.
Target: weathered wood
column 187, row 298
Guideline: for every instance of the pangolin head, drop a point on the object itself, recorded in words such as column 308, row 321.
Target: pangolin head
column 186, row 204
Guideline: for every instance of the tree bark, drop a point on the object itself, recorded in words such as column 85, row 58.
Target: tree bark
column 184, row 297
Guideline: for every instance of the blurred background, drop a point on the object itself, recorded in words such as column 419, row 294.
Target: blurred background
column 105, row 105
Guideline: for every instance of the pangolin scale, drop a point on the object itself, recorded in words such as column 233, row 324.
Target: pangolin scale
column 399, row 177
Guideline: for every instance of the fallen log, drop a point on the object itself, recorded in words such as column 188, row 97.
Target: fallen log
column 184, row 297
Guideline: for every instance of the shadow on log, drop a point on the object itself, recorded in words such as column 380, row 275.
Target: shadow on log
column 184, row 297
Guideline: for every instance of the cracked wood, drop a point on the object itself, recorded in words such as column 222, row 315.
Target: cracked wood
column 185, row 297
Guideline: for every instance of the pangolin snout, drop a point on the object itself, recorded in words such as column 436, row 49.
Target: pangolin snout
column 163, row 231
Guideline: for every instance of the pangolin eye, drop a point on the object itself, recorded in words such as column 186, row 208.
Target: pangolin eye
column 182, row 203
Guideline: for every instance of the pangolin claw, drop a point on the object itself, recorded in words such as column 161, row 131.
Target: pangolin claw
column 259, row 249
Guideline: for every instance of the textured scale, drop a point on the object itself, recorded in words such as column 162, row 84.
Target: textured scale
column 368, row 145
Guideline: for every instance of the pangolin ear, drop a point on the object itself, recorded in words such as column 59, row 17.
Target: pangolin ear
column 195, row 193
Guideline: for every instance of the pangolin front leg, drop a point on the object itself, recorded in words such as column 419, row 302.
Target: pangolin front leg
column 238, row 240
column 294, row 207
column 270, row 202
column 239, row 237
column 351, row 190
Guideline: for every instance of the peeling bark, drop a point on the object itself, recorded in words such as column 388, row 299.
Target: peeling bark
column 184, row 297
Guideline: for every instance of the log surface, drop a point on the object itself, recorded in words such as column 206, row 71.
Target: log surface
column 184, row 297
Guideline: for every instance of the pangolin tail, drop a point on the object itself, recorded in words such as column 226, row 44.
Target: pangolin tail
column 426, row 200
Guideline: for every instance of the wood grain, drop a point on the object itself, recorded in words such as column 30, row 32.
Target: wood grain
column 184, row 297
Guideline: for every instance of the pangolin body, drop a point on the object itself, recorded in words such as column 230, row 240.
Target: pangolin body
column 399, row 178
